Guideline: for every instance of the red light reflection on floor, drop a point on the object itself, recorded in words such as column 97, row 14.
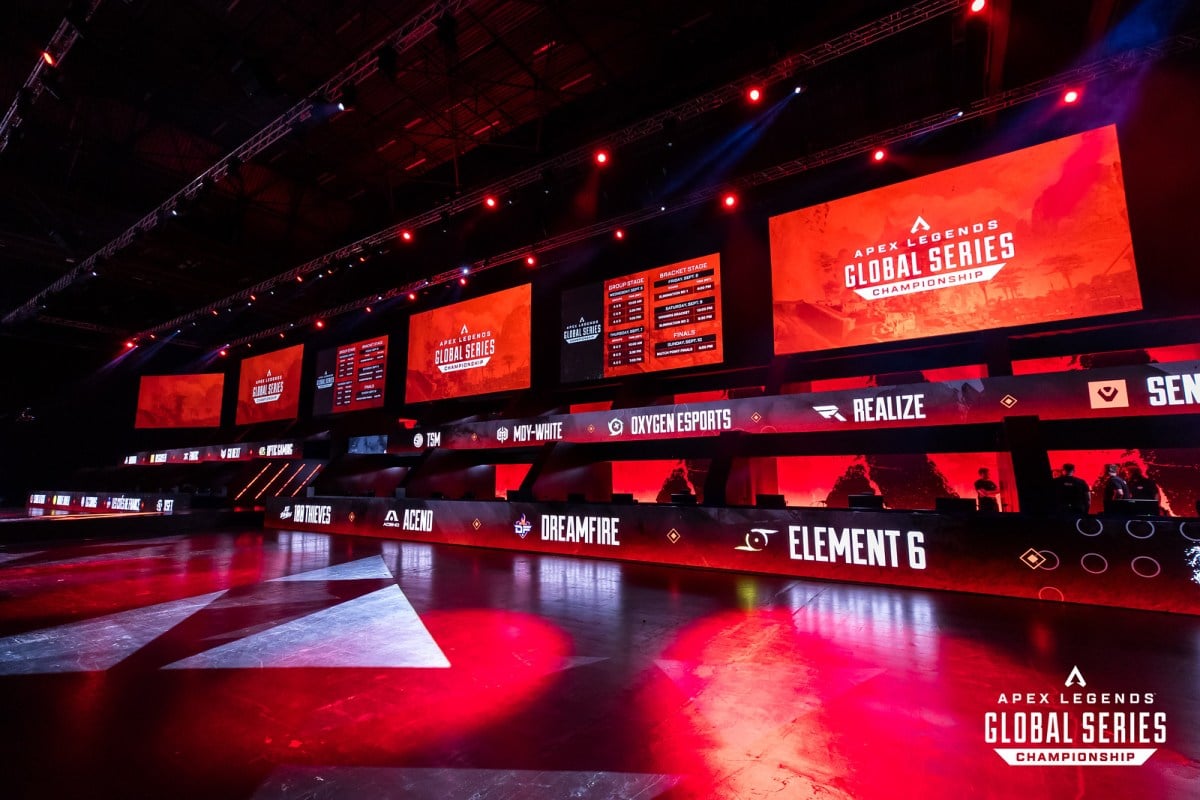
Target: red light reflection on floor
column 776, row 703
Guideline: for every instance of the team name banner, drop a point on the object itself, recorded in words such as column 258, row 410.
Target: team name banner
column 244, row 451
column 1149, row 389
column 1147, row 564
column 50, row 503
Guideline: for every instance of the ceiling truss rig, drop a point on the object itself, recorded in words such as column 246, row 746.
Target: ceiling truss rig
column 419, row 27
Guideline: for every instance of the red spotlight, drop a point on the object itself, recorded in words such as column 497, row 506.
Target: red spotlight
column 224, row 353
column 216, row 313
column 754, row 94
column 602, row 157
column 978, row 5
column 879, row 155
column 729, row 201
column 490, row 202
column 1072, row 96
column 462, row 281
column 320, row 323
column 406, row 236
column 129, row 345
column 530, row 260
column 618, row 234
column 412, row 295
column 299, row 279
column 48, row 57
column 367, row 309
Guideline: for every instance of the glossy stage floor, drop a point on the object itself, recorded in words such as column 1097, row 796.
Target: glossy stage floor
column 264, row 665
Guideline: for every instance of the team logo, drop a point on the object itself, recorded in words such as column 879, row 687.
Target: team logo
column 757, row 540
column 286, row 513
column 391, row 519
column 829, row 412
column 325, row 380
column 1108, row 394
column 615, row 426
column 919, row 225
column 502, row 434
column 418, row 440
column 522, row 527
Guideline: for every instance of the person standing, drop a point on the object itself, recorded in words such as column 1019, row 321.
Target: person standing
column 1142, row 487
column 1071, row 495
column 988, row 491
column 1115, row 488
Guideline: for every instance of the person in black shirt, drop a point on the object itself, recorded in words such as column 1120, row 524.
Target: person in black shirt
column 1140, row 486
column 988, row 491
column 1115, row 489
column 1071, row 495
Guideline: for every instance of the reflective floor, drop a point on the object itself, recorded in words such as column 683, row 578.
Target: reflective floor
column 265, row 665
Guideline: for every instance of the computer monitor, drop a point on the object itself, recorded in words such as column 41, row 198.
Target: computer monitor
column 874, row 501
column 770, row 501
column 955, row 505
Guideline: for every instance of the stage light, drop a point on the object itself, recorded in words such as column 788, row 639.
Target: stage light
column 601, row 157
column 281, row 336
column 320, row 323
column 253, row 298
column 729, row 200
column 618, row 234
column 978, row 5
column 299, row 279
column 754, row 94
column 490, row 202
column 129, row 345
column 466, row 270
column 48, row 57
column 367, row 309
column 530, row 260
column 1072, row 96
column 879, row 155
column 153, row 337
column 462, row 281
column 798, row 89
column 216, row 313
column 406, row 236
column 412, row 295
column 224, row 353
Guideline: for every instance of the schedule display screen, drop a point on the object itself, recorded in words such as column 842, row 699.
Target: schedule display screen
column 180, row 401
column 351, row 377
column 663, row 318
column 1033, row 236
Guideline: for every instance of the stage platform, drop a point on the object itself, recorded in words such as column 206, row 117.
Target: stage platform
column 275, row 664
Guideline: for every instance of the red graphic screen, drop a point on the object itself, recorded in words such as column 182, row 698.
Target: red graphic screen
column 351, row 377
column 478, row 346
column 1033, row 236
column 269, row 386
column 180, row 401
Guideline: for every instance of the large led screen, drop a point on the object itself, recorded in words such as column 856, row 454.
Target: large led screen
column 269, row 386
column 351, row 377
column 478, row 346
column 180, row 401
column 1032, row 236
column 663, row 318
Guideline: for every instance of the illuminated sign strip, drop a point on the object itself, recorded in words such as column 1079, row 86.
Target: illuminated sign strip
column 251, row 483
column 1143, row 390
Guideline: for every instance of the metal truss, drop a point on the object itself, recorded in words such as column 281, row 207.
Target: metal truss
column 1052, row 86
column 402, row 39
column 842, row 45
column 61, row 42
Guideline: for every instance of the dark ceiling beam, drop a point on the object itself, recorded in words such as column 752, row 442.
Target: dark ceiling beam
column 58, row 47
column 785, row 69
column 416, row 29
